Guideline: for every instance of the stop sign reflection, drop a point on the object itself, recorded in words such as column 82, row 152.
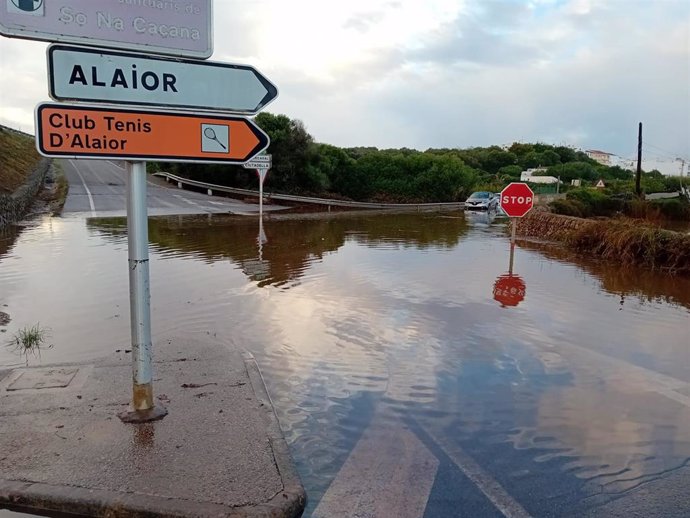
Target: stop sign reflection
column 509, row 290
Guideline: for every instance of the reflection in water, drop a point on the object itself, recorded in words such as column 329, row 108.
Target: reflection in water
column 368, row 323
column 509, row 289
column 640, row 284
column 284, row 248
column 8, row 235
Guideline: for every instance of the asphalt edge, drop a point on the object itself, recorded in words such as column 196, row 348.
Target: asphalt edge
column 290, row 502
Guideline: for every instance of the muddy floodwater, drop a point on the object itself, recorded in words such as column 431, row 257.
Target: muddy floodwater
column 562, row 389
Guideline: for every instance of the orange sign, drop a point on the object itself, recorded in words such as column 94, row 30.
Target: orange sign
column 64, row 130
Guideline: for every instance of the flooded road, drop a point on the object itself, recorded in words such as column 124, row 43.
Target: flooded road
column 406, row 383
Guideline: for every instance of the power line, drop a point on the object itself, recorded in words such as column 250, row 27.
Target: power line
column 668, row 153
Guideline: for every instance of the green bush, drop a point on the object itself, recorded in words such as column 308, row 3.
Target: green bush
column 674, row 208
column 596, row 203
column 568, row 207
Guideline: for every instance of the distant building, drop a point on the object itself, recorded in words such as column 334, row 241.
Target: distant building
column 527, row 173
column 528, row 176
column 600, row 156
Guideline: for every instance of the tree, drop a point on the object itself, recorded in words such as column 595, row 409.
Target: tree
column 521, row 149
column 573, row 171
column 290, row 147
column 497, row 158
column 510, row 173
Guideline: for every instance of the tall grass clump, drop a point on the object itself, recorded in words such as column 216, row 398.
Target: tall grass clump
column 633, row 244
column 29, row 340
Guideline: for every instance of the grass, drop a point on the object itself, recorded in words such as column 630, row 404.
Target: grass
column 29, row 340
column 632, row 243
column 18, row 157
column 626, row 241
column 62, row 188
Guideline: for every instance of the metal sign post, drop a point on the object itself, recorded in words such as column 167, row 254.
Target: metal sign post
column 262, row 164
column 143, row 409
column 262, row 176
column 513, row 222
column 179, row 29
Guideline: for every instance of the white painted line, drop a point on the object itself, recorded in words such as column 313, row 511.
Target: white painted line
column 189, row 202
column 88, row 192
column 160, row 200
column 498, row 496
column 118, row 166
column 389, row 473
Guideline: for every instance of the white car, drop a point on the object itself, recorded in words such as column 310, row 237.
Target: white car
column 481, row 200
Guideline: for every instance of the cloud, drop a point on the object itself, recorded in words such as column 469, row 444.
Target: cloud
column 448, row 73
column 487, row 33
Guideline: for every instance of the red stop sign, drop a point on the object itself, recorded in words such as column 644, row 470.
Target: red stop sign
column 509, row 290
column 517, row 199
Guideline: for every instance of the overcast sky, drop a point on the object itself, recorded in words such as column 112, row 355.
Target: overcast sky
column 448, row 73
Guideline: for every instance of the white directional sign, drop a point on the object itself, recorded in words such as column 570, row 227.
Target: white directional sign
column 95, row 75
column 259, row 162
column 174, row 27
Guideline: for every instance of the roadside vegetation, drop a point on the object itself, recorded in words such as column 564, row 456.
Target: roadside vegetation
column 626, row 241
column 587, row 203
column 18, row 157
column 633, row 244
column 302, row 166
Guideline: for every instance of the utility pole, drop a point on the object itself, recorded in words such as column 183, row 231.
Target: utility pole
column 680, row 178
column 638, row 189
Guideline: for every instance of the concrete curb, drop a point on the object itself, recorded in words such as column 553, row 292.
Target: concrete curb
column 293, row 498
column 286, row 500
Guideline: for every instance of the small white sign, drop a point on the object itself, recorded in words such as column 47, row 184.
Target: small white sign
column 259, row 162
column 256, row 165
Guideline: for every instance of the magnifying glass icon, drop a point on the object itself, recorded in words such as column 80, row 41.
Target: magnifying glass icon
column 210, row 134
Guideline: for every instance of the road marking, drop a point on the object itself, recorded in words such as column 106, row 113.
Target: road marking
column 389, row 473
column 499, row 497
column 189, row 202
column 162, row 201
column 113, row 163
column 88, row 192
column 620, row 372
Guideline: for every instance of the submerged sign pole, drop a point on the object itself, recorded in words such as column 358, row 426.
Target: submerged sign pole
column 516, row 200
column 513, row 228
column 139, row 299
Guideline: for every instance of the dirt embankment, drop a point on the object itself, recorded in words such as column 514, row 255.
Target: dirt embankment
column 628, row 241
column 28, row 182
column 18, row 158
column 553, row 227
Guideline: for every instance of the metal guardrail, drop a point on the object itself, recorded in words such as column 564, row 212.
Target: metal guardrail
column 181, row 182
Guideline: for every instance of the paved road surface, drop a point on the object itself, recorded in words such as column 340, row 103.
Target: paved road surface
column 98, row 187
